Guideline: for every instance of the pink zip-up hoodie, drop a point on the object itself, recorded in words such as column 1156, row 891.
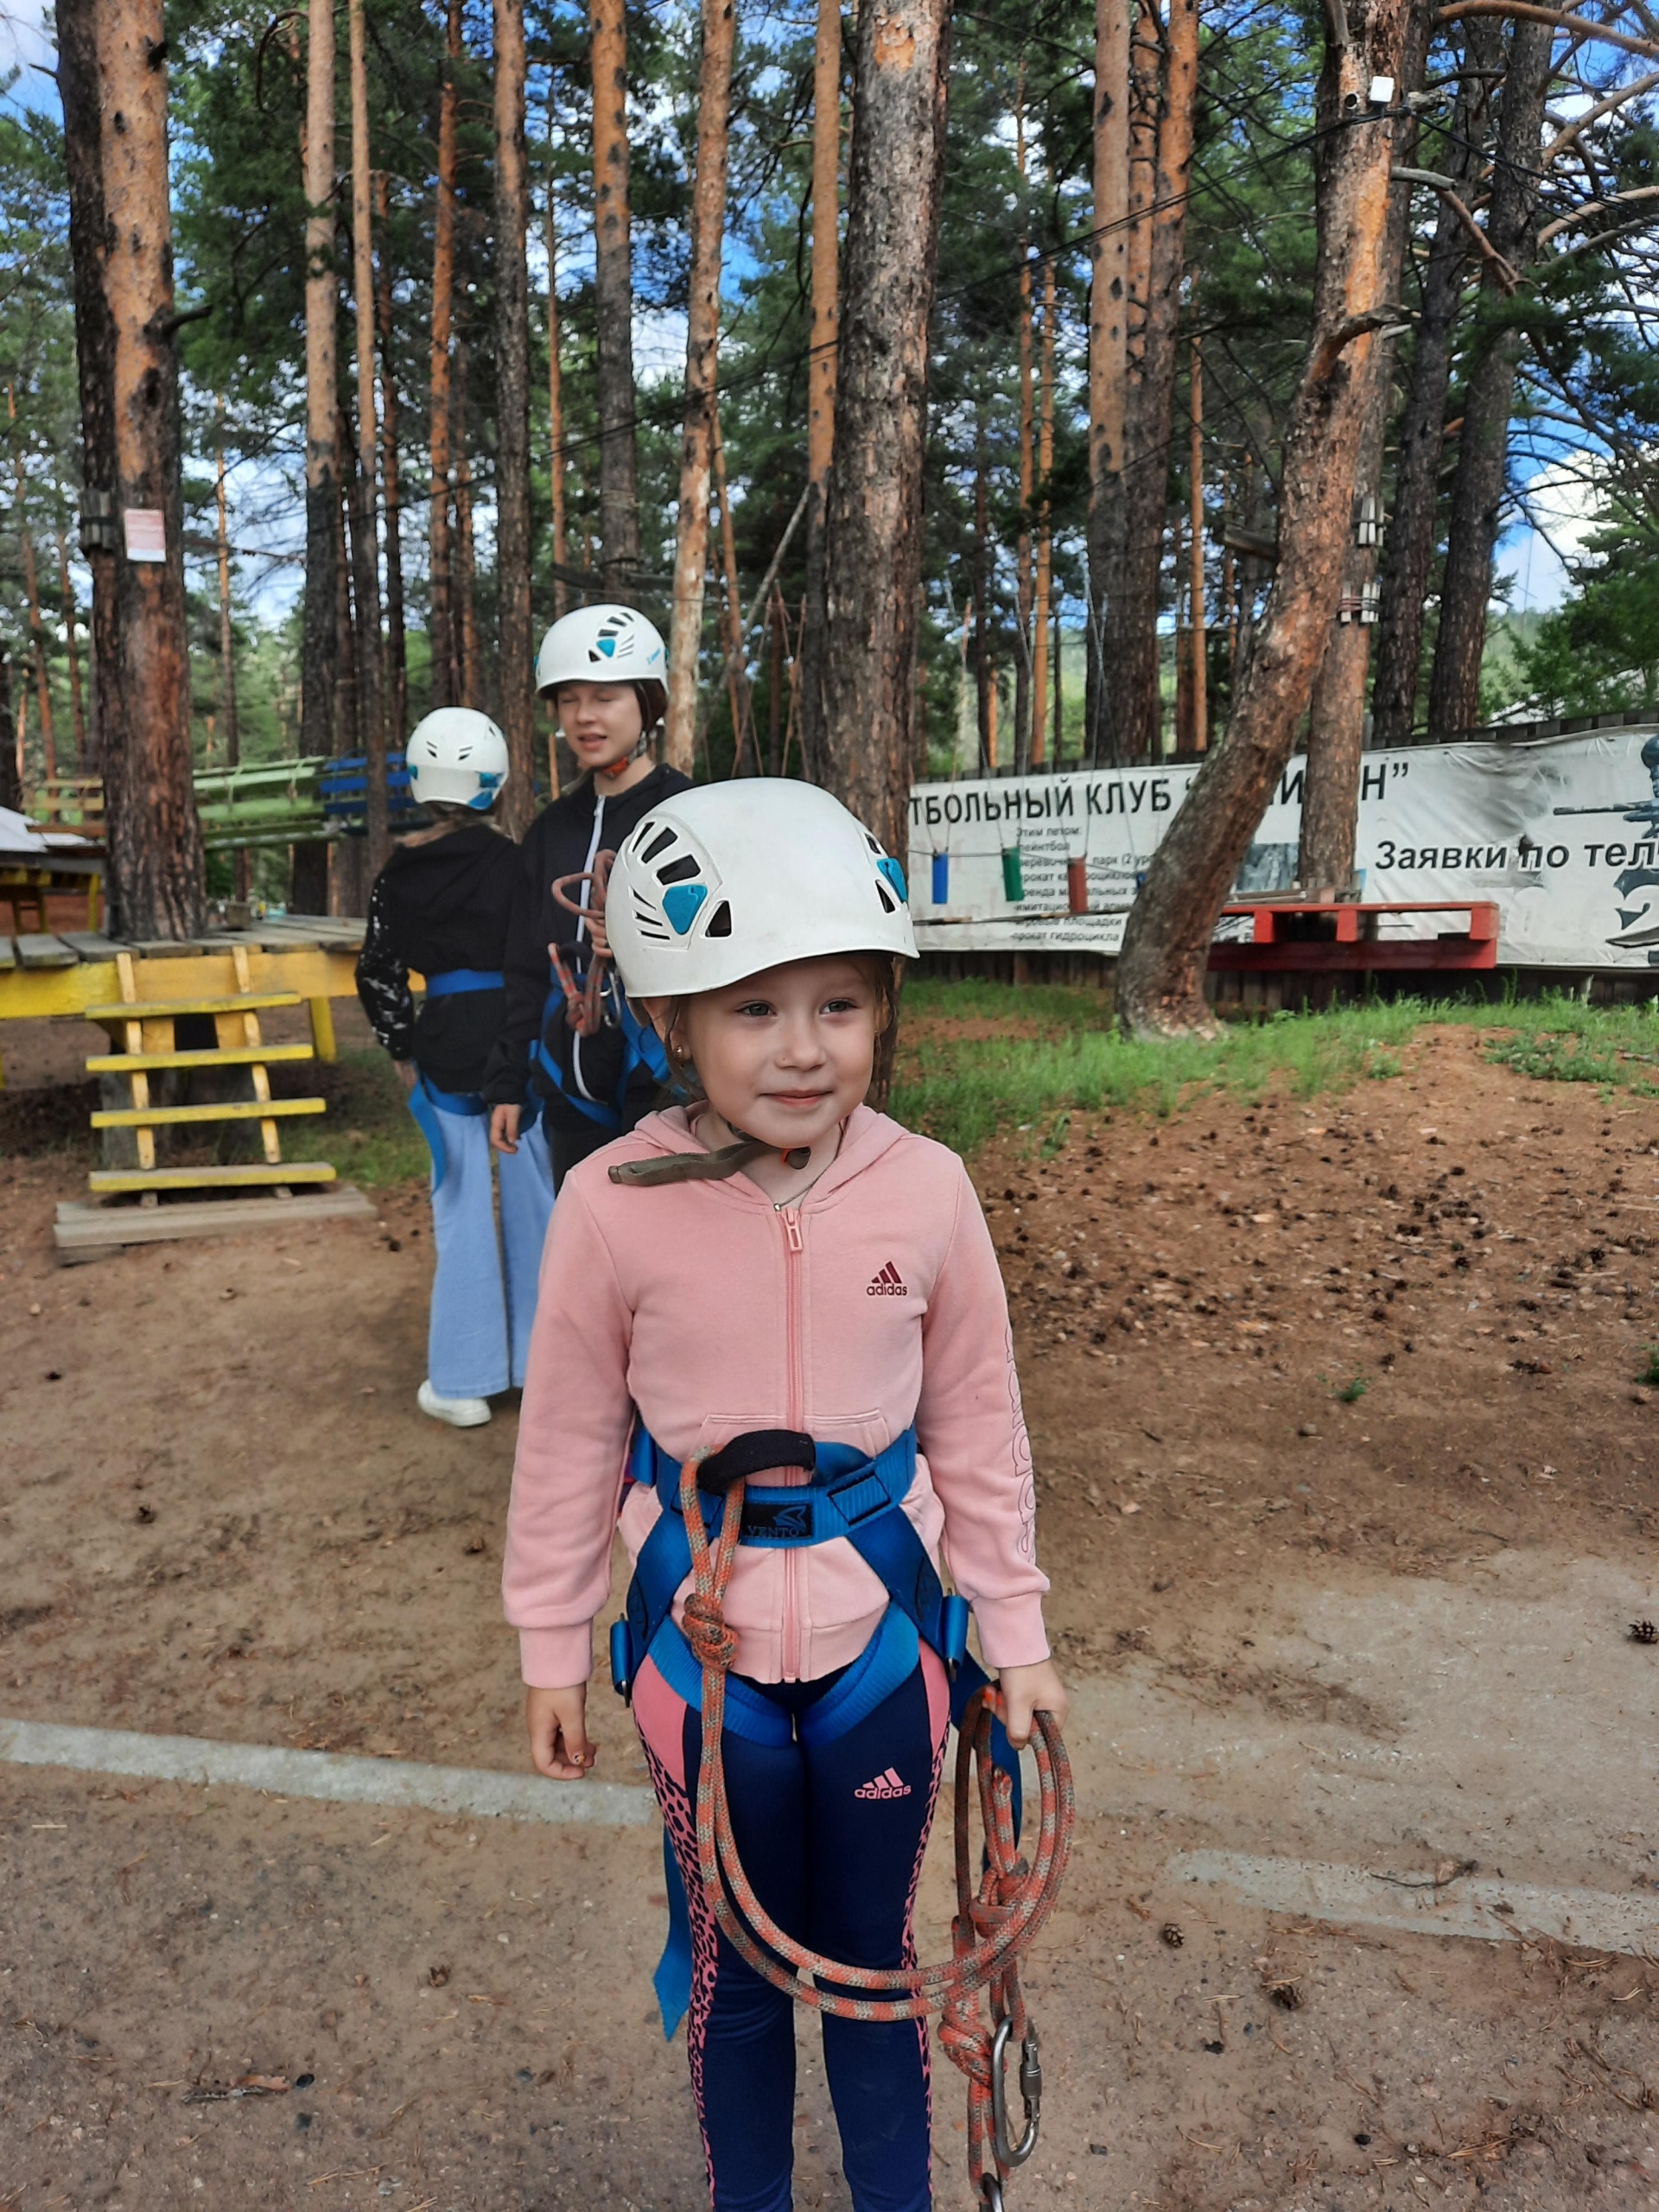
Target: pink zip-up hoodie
column 873, row 1302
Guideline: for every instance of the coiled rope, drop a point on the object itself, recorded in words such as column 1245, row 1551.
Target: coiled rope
column 584, row 1005
column 995, row 1922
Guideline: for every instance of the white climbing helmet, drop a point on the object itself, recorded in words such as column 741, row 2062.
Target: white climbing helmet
column 601, row 644
column 456, row 755
column 722, row 881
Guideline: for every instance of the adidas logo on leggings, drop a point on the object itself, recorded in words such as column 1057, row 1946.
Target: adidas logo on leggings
column 884, row 1785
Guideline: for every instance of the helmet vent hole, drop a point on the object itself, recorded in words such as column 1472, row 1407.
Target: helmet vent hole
column 888, row 904
column 719, row 922
column 677, row 871
column 659, row 844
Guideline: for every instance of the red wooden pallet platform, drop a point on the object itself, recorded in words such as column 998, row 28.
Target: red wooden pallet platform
column 1291, row 937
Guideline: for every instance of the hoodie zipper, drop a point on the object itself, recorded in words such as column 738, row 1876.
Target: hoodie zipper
column 794, row 1249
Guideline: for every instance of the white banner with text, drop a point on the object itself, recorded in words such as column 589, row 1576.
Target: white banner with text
column 1563, row 832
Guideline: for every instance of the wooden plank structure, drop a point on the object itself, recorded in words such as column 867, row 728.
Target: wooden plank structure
column 148, row 1030
column 1294, row 937
column 141, row 992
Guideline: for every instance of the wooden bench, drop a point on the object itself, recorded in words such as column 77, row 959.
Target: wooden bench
column 1293, row 937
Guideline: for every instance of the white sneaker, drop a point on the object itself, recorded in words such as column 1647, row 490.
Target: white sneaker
column 460, row 1413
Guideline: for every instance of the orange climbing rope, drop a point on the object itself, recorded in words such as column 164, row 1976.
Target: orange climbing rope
column 584, row 1004
column 994, row 1923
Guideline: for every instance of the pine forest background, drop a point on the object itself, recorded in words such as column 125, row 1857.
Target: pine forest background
column 1531, row 243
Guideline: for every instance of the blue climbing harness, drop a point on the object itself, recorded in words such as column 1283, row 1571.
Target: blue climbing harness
column 426, row 1101
column 641, row 1047
column 851, row 1495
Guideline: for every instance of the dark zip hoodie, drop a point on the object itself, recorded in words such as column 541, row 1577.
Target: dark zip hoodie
column 435, row 907
column 563, row 841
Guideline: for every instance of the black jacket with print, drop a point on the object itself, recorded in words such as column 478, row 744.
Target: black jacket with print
column 563, row 841
column 435, row 907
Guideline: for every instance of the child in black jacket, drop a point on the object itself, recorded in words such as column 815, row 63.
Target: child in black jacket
column 604, row 667
column 441, row 906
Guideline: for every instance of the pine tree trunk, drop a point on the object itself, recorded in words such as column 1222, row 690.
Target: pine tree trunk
column 11, row 781
column 619, row 470
column 1408, row 558
column 821, row 373
column 32, row 598
column 80, row 91
column 1198, row 733
column 775, row 619
column 1336, row 731
column 66, row 592
column 365, row 557
column 556, row 387
column 469, row 673
column 317, row 705
column 1045, row 539
column 347, row 875
column 984, row 693
column 515, row 641
column 1025, row 567
column 874, row 508
column 1109, row 356
column 732, row 640
column 154, row 840
column 1484, row 447
column 397, row 652
column 227, row 714
column 1166, row 944
column 702, row 351
column 1131, row 645
column 442, row 616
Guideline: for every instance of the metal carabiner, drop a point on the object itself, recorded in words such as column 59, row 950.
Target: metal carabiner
column 990, row 2193
column 1031, row 2089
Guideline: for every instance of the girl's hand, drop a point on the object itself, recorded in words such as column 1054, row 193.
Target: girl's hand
column 408, row 1074
column 558, row 1721
column 504, row 1128
column 1026, row 1690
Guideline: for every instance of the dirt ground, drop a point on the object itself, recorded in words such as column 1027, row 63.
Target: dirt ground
column 1346, row 1486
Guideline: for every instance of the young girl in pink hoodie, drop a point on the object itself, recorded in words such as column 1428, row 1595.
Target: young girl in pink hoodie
column 783, row 1279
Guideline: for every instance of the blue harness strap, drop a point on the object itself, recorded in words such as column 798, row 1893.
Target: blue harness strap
column 429, row 1105
column 449, row 982
column 851, row 1495
column 641, row 1047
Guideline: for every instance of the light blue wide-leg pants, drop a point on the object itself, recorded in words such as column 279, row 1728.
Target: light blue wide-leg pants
column 484, row 1282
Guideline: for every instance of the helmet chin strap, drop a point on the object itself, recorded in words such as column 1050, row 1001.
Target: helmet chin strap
column 705, row 1166
column 617, row 768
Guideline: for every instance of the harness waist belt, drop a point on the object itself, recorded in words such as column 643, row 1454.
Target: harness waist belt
column 848, row 1489
column 452, row 981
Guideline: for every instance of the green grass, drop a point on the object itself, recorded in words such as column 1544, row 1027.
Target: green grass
column 1563, row 1040
column 367, row 1133
column 963, row 1091
column 966, row 1091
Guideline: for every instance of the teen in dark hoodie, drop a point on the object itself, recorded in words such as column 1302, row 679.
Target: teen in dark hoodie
column 605, row 668
column 441, row 906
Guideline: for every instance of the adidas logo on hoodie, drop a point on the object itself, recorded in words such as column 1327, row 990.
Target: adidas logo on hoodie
column 884, row 1785
column 888, row 1284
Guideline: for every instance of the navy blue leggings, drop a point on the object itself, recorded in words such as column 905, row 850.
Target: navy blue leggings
column 831, row 1835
